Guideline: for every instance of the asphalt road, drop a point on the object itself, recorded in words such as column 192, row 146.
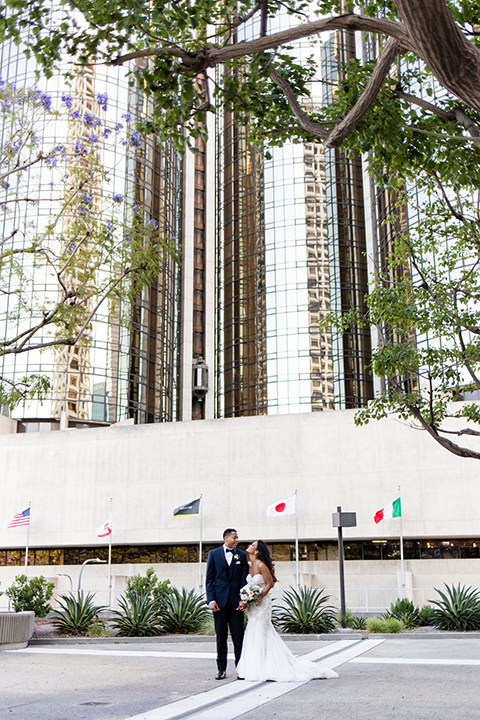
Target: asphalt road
column 397, row 677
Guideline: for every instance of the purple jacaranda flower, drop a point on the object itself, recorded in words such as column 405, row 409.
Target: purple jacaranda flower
column 118, row 127
column 118, row 198
column 74, row 115
column 102, row 100
column 135, row 139
column 67, row 100
column 5, row 184
column 46, row 101
column 92, row 138
column 109, row 225
column 127, row 117
column 106, row 132
column 78, row 148
column 136, row 208
column 88, row 119
column 153, row 223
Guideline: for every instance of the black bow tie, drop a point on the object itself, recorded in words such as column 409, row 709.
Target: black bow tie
column 229, row 550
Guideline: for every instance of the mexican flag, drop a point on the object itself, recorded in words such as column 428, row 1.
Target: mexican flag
column 391, row 511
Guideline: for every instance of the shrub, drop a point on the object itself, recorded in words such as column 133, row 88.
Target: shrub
column 150, row 584
column 184, row 612
column 356, row 622
column 79, row 613
column 304, row 611
column 385, row 625
column 426, row 613
column 32, row 594
column 405, row 610
column 98, row 629
column 458, row 609
column 138, row 616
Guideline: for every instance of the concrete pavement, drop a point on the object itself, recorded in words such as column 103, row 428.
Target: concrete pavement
column 431, row 677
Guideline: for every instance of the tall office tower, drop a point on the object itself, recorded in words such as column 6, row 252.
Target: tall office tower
column 291, row 248
column 128, row 367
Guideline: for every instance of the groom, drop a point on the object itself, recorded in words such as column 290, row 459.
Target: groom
column 227, row 570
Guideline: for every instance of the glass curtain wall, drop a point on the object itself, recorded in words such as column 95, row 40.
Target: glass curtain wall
column 353, row 382
column 291, row 247
column 128, row 369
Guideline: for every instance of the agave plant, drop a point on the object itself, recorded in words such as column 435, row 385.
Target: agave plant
column 405, row 610
column 184, row 612
column 77, row 615
column 458, row 609
column 138, row 616
column 304, row 611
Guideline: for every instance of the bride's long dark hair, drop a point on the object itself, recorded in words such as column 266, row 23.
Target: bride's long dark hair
column 265, row 557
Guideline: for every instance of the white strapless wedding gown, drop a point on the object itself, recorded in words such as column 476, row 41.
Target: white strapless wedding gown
column 264, row 654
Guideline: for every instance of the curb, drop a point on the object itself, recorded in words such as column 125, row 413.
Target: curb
column 328, row 637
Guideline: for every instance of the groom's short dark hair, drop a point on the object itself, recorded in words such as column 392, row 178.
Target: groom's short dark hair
column 228, row 531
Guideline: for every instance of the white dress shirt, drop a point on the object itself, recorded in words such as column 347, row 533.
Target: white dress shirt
column 228, row 555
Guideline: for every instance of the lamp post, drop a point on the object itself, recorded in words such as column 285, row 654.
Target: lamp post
column 65, row 575
column 342, row 519
column 91, row 560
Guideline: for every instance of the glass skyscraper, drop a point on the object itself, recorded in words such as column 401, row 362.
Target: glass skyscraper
column 268, row 248
column 128, row 368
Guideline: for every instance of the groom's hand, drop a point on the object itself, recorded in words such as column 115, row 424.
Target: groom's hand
column 213, row 606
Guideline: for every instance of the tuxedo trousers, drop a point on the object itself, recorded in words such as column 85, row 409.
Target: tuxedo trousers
column 225, row 618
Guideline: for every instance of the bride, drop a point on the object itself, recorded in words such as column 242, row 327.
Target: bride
column 264, row 654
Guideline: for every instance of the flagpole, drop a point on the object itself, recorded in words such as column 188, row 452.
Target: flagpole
column 110, row 557
column 200, row 547
column 296, row 541
column 28, row 536
column 402, row 568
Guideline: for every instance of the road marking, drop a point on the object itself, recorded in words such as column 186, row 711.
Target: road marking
column 415, row 661
column 119, row 653
column 240, row 697
column 113, row 652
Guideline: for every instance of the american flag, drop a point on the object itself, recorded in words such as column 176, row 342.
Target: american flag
column 22, row 518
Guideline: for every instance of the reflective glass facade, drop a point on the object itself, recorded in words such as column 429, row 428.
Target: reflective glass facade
column 291, row 248
column 128, row 367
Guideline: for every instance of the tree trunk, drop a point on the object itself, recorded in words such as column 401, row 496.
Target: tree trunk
column 453, row 60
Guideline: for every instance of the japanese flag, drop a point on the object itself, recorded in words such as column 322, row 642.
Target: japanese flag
column 283, row 507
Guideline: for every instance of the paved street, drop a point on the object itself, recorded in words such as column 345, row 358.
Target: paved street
column 401, row 677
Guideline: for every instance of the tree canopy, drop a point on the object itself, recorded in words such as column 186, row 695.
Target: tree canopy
column 410, row 106
column 175, row 46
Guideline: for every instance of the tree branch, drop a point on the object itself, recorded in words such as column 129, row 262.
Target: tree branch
column 444, row 442
column 456, row 115
column 305, row 123
column 367, row 98
column 212, row 55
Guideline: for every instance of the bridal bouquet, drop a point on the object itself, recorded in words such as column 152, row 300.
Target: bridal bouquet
column 249, row 593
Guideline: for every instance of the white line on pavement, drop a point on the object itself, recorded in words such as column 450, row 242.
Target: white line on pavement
column 118, row 653
column 415, row 661
column 240, row 697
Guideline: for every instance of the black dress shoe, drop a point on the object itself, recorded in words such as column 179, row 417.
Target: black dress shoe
column 221, row 675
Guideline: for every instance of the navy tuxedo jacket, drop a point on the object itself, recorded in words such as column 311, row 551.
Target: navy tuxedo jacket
column 224, row 582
